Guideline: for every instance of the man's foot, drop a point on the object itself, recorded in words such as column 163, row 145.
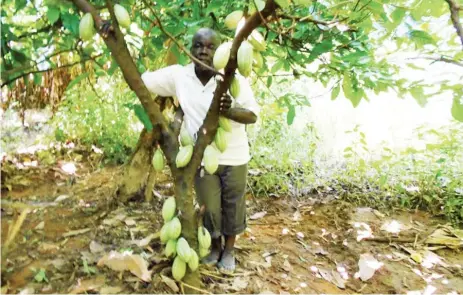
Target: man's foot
column 226, row 264
column 212, row 258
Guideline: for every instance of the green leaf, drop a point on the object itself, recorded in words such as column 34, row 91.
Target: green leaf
column 291, row 114
column 53, row 14
column 457, row 109
column 320, row 48
column 350, row 91
column 71, row 22
column 77, row 80
column 278, row 66
column 413, row 66
column 418, row 94
column 18, row 56
column 143, row 116
column 335, row 92
column 38, row 79
column 421, row 38
column 19, row 4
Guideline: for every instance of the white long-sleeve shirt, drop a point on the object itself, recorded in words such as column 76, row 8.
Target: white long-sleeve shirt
column 195, row 100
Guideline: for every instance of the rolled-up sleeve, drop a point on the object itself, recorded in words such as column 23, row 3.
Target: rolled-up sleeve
column 246, row 98
column 162, row 81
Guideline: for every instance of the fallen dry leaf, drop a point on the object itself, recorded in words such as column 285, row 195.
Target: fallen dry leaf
column 87, row 285
column 130, row 222
column 239, row 284
column 287, row 266
column 145, row 242
column 127, row 261
column 25, row 291
column 368, row 265
column 40, row 226
column 338, row 280
column 110, row 290
column 76, row 232
column 258, row 215
column 170, row 283
column 95, row 247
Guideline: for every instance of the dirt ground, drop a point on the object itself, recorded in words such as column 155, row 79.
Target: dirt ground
column 313, row 245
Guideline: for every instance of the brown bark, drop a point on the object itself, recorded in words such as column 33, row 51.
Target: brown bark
column 455, row 17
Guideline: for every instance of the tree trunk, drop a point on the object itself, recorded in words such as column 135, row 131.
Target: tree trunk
column 183, row 187
column 137, row 170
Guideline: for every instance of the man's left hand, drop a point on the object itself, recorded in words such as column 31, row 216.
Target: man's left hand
column 225, row 103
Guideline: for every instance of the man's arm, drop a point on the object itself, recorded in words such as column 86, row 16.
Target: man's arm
column 240, row 115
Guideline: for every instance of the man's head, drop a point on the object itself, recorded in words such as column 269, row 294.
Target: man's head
column 203, row 46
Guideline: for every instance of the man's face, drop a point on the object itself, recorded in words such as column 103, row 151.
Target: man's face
column 205, row 42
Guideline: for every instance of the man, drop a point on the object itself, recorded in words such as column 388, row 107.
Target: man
column 223, row 192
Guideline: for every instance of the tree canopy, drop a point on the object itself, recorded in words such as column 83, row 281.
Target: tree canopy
column 342, row 37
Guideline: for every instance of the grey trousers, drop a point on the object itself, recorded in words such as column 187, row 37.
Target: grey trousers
column 223, row 194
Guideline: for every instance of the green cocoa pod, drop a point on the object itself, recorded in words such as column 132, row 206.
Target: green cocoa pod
column 175, row 228
column 183, row 249
column 194, row 261
column 168, row 209
column 86, row 27
column 235, row 87
column 220, row 140
column 222, row 55
column 257, row 41
column 164, row 233
column 225, row 123
column 245, row 59
column 184, row 156
column 178, row 268
column 211, row 159
column 258, row 61
column 232, row 20
column 204, row 237
column 185, row 138
column 203, row 252
column 122, row 16
column 171, row 249
column 158, row 160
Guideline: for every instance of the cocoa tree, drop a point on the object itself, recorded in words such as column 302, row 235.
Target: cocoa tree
column 340, row 36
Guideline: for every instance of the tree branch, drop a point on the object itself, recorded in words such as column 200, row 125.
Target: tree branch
column 158, row 22
column 116, row 44
column 455, row 17
column 44, row 71
column 442, row 59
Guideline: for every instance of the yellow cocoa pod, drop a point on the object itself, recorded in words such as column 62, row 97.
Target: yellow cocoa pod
column 222, row 55
column 122, row 16
column 283, row 3
column 164, row 233
column 245, row 59
column 225, row 123
column 204, row 237
column 194, row 261
column 231, row 21
column 171, row 249
column 183, row 249
column 235, row 87
column 178, row 268
column 220, row 140
column 185, row 137
column 86, row 27
column 168, row 209
column 258, row 61
column 158, row 160
column 211, row 159
column 203, row 252
column 175, row 228
column 257, row 41
column 184, row 156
